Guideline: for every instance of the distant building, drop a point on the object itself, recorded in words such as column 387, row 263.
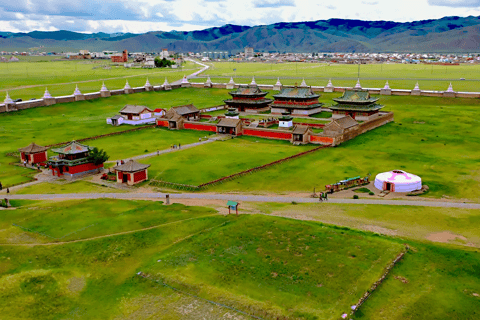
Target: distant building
column 131, row 172
column 73, row 160
column 296, row 101
column 120, row 58
column 249, row 99
column 249, row 52
column 33, row 154
column 356, row 103
column 133, row 115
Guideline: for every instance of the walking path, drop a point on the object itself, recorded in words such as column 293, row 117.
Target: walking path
column 183, row 147
column 240, row 198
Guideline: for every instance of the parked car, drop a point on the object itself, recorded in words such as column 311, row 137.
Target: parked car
column 18, row 100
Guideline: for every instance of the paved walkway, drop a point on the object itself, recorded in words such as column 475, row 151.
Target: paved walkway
column 152, row 154
column 242, row 198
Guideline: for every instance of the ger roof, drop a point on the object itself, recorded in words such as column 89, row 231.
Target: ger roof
column 131, row 166
column 186, row 109
column 229, row 122
column 33, row 148
column 73, row 148
column 296, row 93
column 356, row 97
column 134, row 109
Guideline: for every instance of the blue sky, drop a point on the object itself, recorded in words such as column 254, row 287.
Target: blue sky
column 140, row 16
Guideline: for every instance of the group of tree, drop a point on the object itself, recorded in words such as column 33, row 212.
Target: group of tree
column 163, row 63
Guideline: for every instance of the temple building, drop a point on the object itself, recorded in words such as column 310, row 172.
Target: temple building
column 133, row 115
column 298, row 101
column 175, row 116
column 132, row 172
column 73, row 160
column 249, row 99
column 230, row 126
column 357, row 104
column 33, row 154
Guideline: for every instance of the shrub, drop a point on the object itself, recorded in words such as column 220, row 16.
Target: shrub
column 355, row 197
column 371, row 193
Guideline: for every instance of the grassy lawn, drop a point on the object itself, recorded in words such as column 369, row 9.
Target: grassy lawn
column 73, row 121
column 73, row 187
column 28, row 80
column 146, row 141
column 399, row 76
column 431, row 137
column 59, row 221
column 267, row 266
column 218, row 159
column 301, row 269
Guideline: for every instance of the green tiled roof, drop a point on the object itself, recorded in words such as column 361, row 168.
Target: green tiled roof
column 250, row 91
column 354, row 97
column 73, row 148
column 301, row 93
column 356, row 107
column 296, row 106
column 247, row 101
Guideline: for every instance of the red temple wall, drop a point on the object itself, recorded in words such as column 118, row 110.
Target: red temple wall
column 39, row 157
column 139, row 176
column 322, row 140
column 200, row 127
column 162, row 123
column 83, row 168
column 268, row 134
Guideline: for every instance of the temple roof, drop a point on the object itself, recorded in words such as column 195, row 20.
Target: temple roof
column 229, row 122
column 73, row 148
column 296, row 106
column 131, row 166
column 250, row 90
column 133, row 109
column 300, row 129
column 356, row 107
column 346, row 122
column 182, row 110
column 296, row 93
column 33, row 148
column 356, row 97
column 248, row 101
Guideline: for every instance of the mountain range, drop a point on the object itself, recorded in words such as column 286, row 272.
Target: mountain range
column 448, row 34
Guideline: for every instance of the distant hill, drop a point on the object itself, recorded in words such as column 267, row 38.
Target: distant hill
column 449, row 34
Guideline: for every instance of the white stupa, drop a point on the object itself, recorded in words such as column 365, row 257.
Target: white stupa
column 77, row 91
column 231, row 84
column 104, row 88
column 166, row 82
column 278, row 86
column 8, row 100
column 398, row 181
column 209, row 81
column 278, row 82
column 329, row 87
column 417, row 87
column 450, row 88
column 303, row 84
column 47, row 94
column 127, row 86
column 185, row 80
column 358, row 85
column 147, row 84
column 253, row 83
column 387, row 86
column 329, row 84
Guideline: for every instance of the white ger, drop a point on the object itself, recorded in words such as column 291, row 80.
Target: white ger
column 398, row 181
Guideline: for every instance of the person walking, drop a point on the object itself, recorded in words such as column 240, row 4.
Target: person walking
column 326, row 196
column 8, row 190
column 179, row 146
column 1, row 186
column 320, row 198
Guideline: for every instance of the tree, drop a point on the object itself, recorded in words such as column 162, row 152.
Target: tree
column 162, row 63
column 98, row 156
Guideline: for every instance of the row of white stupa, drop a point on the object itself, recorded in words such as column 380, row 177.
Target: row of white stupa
column 77, row 92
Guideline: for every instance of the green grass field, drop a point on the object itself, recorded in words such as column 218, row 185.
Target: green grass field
column 73, row 187
column 28, row 80
column 265, row 266
column 218, row 159
column 400, row 76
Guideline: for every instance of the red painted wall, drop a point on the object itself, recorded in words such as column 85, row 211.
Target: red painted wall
column 162, row 123
column 139, row 176
column 120, row 175
column 267, row 134
column 83, row 168
column 40, row 157
column 200, row 127
column 321, row 139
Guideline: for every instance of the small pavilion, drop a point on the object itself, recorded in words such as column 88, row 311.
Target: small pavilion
column 33, row 153
column 73, row 160
column 230, row 126
column 301, row 134
column 357, row 104
column 132, row 172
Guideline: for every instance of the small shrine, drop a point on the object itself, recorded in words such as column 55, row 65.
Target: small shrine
column 285, row 121
column 232, row 113
column 131, row 172
column 33, row 154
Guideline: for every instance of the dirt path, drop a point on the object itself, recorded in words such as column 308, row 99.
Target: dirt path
column 242, row 198
column 101, row 237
